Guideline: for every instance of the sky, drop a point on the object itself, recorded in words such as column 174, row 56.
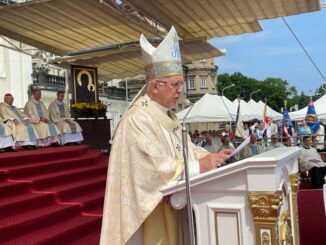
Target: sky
column 274, row 52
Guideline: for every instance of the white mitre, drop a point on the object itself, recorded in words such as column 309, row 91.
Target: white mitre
column 163, row 61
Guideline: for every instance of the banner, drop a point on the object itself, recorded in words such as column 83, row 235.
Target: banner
column 311, row 117
column 286, row 123
column 239, row 131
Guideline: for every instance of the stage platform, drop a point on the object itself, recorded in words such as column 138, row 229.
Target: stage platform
column 52, row 195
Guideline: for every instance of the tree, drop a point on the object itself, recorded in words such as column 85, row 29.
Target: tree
column 320, row 91
column 275, row 90
column 244, row 85
column 303, row 100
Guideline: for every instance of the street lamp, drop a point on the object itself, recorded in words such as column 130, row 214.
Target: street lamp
column 227, row 88
column 253, row 93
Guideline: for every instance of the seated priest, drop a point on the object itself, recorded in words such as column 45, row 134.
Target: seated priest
column 59, row 114
column 146, row 155
column 253, row 148
column 310, row 160
column 274, row 143
column 39, row 117
column 23, row 132
column 6, row 141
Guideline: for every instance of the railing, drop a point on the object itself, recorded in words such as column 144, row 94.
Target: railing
column 290, row 140
column 49, row 82
column 115, row 93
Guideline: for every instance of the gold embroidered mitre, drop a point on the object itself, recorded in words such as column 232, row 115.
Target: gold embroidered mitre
column 163, row 61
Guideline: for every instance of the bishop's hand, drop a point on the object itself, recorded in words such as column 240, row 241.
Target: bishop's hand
column 213, row 160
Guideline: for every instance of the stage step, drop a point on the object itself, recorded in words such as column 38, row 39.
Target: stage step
column 10, row 188
column 23, row 157
column 91, row 202
column 312, row 218
column 31, row 220
column 67, row 176
column 78, row 188
column 28, row 170
column 52, row 195
column 64, row 232
column 21, row 203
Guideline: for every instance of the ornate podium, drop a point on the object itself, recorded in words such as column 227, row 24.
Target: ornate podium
column 252, row 201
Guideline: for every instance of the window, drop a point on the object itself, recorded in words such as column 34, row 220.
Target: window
column 203, row 83
column 191, row 83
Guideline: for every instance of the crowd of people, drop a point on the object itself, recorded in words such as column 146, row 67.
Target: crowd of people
column 264, row 138
column 37, row 126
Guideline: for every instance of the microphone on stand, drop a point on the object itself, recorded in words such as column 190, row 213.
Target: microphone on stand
column 186, row 164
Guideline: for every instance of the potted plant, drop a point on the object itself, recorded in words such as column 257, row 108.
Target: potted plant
column 88, row 110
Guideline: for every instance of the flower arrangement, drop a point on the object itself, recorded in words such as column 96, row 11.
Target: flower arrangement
column 88, row 109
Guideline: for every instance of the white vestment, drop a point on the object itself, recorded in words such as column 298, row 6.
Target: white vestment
column 146, row 155
column 307, row 158
column 5, row 136
column 272, row 146
column 70, row 130
column 23, row 133
column 251, row 150
column 48, row 132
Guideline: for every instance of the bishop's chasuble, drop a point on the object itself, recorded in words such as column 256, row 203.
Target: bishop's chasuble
column 146, row 154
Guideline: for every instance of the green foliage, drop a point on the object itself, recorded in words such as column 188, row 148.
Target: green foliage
column 275, row 90
column 303, row 100
column 320, row 91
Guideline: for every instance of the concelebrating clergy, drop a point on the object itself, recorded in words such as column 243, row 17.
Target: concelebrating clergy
column 23, row 132
column 39, row 117
column 59, row 114
column 6, row 140
column 146, row 154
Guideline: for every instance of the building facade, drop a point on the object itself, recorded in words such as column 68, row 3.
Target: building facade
column 15, row 72
column 201, row 78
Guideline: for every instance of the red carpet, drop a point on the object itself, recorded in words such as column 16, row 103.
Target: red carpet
column 312, row 219
column 52, row 196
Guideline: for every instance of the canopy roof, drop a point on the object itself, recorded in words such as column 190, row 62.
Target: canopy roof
column 248, row 112
column 218, row 18
column 129, row 62
column 88, row 27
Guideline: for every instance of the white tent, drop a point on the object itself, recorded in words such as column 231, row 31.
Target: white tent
column 320, row 106
column 210, row 108
column 248, row 112
column 272, row 113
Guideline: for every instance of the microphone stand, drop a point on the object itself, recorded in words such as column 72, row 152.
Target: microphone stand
column 188, row 189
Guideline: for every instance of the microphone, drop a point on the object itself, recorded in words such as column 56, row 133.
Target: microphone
column 186, row 164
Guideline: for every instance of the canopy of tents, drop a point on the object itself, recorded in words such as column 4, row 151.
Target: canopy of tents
column 215, row 108
column 320, row 106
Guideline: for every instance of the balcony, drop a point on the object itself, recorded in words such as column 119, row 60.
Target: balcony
column 48, row 82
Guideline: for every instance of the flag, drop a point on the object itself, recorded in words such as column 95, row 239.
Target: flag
column 266, row 117
column 286, row 122
column 239, row 131
column 311, row 117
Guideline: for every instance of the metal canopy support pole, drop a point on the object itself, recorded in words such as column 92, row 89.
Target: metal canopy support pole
column 188, row 188
column 67, row 87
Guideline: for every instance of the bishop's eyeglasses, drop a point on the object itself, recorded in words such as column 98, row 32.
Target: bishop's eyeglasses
column 174, row 85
